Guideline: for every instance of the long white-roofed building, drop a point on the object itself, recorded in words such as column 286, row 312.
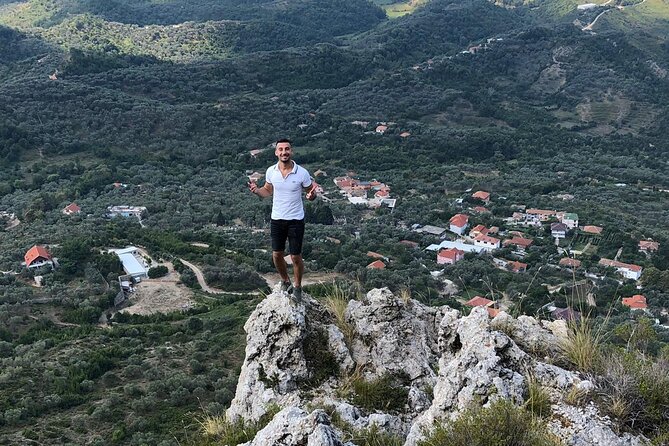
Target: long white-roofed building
column 133, row 263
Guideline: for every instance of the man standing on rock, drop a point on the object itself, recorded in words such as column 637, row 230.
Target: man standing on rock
column 286, row 181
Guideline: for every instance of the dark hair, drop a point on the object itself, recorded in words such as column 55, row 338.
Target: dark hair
column 285, row 140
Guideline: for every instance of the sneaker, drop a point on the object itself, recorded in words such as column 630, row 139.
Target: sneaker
column 297, row 293
column 286, row 286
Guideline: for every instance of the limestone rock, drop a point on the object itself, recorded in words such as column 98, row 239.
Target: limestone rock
column 527, row 332
column 295, row 427
column 394, row 336
column 465, row 360
column 578, row 426
column 274, row 362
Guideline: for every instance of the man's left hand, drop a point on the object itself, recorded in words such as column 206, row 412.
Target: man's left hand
column 311, row 195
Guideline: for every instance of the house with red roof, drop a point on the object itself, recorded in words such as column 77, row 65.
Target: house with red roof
column 381, row 129
column 636, row 302
column 627, row 270
column 488, row 304
column 459, row 223
column 540, row 214
column 479, row 301
column 376, row 264
column 449, row 256
column 38, row 256
column 570, row 263
column 482, row 195
column 516, row 267
column 478, row 230
column 648, row 246
column 71, row 209
column 591, row 229
column 487, row 242
column 519, row 242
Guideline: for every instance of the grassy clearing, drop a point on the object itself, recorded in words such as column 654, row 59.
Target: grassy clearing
column 399, row 9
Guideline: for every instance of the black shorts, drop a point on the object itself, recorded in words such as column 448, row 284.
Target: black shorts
column 293, row 230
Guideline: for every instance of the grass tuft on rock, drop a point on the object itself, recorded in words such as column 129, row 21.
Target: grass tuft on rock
column 500, row 424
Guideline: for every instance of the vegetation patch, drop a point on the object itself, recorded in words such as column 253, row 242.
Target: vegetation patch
column 387, row 393
column 320, row 361
column 502, row 423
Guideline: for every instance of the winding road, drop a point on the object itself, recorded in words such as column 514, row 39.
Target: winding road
column 206, row 288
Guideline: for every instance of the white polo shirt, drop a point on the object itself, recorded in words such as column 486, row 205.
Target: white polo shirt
column 287, row 198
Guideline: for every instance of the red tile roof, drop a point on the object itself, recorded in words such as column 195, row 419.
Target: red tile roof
column 648, row 245
column 616, row 264
column 377, row 264
column 35, row 253
column 478, row 301
column 459, row 220
column 570, row 262
column 486, row 239
column 375, row 255
column 451, row 253
column 72, row 208
column 480, row 209
column 637, row 301
column 517, row 267
column 590, row 229
column 481, row 195
column 518, row 241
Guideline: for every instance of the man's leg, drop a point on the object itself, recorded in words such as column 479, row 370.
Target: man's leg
column 298, row 269
column 280, row 264
column 279, row 234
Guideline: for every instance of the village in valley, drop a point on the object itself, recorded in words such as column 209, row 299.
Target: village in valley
column 509, row 244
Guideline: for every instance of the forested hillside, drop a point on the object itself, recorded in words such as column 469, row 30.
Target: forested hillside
column 171, row 105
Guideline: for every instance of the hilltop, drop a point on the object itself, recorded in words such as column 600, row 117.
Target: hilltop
column 514, row 116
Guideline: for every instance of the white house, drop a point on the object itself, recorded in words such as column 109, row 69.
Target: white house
column 487, row 242
column 459, row 223
column 627, row 270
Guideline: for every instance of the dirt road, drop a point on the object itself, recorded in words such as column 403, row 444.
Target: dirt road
column 207, row 288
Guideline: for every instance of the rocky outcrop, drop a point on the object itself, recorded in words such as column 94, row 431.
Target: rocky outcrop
column 443, row 361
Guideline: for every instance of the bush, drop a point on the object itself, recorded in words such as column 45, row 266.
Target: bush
column 500, row 424
column 386, row 393
column 157, row 271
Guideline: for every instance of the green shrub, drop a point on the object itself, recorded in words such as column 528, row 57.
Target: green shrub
column 223, row 432
column 320, row 360
column 386, row 393
column 500, row 424
column 157, row 271
column 635, row 391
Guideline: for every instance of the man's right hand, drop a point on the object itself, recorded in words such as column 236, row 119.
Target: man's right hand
column 253, row 186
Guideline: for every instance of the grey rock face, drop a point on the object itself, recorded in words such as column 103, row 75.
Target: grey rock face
column 465, row 360
column 295, row 427
column 274, row 358
column 395, row 336
column 577, row 426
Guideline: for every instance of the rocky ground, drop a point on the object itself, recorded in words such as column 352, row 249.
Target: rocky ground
column 442, row 362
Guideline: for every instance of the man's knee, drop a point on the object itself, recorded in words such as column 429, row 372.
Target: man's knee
column 296, row 258
column 278, row 255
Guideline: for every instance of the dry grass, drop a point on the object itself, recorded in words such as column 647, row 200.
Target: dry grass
column 538, row 401
column 582, row 347
column 336, row 301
